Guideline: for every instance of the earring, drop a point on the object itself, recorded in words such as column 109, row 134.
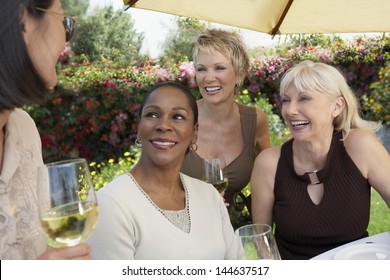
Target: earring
column 193, row 147
column 138, row 143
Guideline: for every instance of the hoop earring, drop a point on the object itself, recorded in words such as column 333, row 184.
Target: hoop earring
column 193, row 147
column 138, row 143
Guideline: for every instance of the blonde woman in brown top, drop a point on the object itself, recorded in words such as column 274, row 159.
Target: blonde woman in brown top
column 221, row 64
column 316, row 187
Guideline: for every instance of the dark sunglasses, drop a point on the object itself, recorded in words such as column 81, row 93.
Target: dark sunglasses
column 69, row 22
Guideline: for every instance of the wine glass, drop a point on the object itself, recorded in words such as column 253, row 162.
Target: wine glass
column 258, row 242
column 70, row 210
column 214, row 173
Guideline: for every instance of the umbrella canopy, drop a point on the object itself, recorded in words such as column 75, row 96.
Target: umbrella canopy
column 282, row 16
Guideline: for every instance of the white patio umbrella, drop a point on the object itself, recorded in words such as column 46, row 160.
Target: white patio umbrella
column 281, row 16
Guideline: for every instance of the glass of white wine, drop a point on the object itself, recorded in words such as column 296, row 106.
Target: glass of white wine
column 69, row 211
column 214, row 173
column 258, row 242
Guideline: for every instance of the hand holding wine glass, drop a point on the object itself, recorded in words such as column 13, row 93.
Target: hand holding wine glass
column 71, row 210
column 214, row 173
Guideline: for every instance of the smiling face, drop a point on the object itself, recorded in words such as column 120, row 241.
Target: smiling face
column 166, row 128
column 308, row 114
column 216, row 77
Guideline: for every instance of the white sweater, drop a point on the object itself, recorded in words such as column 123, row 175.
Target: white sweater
column 131, row 226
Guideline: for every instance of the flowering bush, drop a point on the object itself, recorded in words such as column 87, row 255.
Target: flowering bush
column 105, row 171
column 92, row 112
column 359, row 60
column 376, row 105
column 66, row 54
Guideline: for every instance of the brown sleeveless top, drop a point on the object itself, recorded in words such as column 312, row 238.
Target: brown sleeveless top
column 304, row 229
column 239, row 170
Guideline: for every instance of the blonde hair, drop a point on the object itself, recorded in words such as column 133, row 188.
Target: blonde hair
column 311, row 76
column 227, row 43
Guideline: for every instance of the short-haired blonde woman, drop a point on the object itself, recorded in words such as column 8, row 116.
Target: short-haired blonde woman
column 226, row 128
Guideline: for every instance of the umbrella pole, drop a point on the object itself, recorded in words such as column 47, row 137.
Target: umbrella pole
column 285, row 11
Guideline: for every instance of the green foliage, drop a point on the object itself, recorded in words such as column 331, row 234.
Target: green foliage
column 376, row 104
column 179, row 42
column 240, row 218
column 104, row 172
column 75, row 8
column 379, row 215
column 278, row 130
column 92, row 112
column 107, row 34
column 306, row 40
column 359, row 60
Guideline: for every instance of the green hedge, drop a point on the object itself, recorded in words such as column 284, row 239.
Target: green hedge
column 92, row 111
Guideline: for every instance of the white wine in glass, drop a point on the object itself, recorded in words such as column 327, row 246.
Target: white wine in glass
column 214, row 173
column 71, row 212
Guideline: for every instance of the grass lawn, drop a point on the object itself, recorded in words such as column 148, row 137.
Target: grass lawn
column 380, row 215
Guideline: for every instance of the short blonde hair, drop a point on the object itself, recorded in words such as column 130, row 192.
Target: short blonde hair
column 311, row 76
column 227, row 43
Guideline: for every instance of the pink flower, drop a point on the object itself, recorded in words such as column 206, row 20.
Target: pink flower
column 187, row 70
column 162, row 75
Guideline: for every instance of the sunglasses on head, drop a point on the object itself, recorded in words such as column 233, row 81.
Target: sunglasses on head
column 69, row 22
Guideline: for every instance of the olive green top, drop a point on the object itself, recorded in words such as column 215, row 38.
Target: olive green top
column 240, row 169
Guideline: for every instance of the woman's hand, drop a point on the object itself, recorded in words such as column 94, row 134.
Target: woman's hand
column 78, row 252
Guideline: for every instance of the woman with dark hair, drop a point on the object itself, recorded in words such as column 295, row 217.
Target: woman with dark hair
column 154, row 211
column 32, row 36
